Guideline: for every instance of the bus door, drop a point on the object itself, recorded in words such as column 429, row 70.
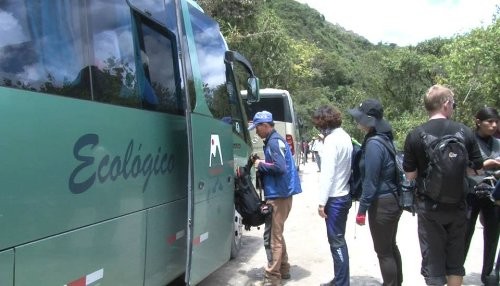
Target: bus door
column 212, row 119
column 210, row 184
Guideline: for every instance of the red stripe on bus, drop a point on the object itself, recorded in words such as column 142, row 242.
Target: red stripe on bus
column 79, row 282
column 216, row 171
column 171, row 239
column 197, row 240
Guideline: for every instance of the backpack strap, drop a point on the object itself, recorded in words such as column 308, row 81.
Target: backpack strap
column 392, row 150
column 390, row 147
column 427, row 138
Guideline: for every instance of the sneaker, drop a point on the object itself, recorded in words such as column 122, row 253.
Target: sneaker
column 285, row 276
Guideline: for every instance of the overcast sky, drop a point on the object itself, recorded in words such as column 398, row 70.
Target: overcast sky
column 406, row 22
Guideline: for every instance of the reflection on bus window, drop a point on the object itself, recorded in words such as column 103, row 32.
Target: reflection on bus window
column 113, row 62
column 160, row 71
column 36, row 46
column 211, row 47
column 162, row 11
column 158, row 78
column 89, row 52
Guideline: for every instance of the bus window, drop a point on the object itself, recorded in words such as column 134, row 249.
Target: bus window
column 223, row 101
column 240, row 77
column 113, row 63
column 211, row 47
column 159, row 77
column 43, row 49
column 278, row 106
column 157, row 9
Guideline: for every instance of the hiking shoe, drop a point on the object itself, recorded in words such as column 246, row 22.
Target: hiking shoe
column 285, row 276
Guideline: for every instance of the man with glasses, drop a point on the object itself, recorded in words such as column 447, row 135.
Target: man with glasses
column 441, row 226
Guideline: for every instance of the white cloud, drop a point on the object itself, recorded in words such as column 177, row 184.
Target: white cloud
column 406, row 22
column 11, row 31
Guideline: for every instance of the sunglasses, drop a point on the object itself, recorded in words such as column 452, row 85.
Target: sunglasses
column 453, row 104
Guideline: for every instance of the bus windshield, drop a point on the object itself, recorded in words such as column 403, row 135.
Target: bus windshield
column 278, row 106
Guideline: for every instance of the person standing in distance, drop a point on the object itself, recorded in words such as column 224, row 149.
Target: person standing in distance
column 441, row 227
column 334, row 198
column 379, row 197
column 316, row 148
column 280, row 182
column 480, row 203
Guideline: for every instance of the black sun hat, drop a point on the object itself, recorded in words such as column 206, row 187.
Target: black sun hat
column 370, row 113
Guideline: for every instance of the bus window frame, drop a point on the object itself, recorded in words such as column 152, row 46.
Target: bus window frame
column 141, row 19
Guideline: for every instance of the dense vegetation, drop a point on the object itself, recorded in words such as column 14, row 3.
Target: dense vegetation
column 291, row 46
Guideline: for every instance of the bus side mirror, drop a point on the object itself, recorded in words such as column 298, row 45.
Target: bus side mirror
column 253, row 88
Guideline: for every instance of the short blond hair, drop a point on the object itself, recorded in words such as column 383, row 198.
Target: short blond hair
column 436, row 96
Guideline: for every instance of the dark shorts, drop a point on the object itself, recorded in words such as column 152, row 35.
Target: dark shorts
column 441, row 233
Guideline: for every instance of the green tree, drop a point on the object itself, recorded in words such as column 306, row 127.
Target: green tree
column 473, row 65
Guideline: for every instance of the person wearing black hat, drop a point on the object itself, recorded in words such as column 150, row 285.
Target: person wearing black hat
column 441, row 225
column 379, row 196
column 479, row 202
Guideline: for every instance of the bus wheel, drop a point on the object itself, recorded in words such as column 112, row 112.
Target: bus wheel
column 238, row 232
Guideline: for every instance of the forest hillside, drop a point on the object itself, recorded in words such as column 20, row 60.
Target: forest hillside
column 293, row 47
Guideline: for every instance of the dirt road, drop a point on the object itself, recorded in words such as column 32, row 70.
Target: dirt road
column 309, row 253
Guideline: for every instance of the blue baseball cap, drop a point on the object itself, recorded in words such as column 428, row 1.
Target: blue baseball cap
column 261, row 117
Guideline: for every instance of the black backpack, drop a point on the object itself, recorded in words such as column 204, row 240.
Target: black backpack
column 247, row 201
column 355, row 182
column 444, row 179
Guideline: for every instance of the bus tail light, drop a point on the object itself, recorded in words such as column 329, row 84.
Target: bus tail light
column 289, row 140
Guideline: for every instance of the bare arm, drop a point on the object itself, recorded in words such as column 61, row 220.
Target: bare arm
column 491, row 163
column 411, row 175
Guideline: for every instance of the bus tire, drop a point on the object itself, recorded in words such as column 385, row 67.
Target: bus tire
column 237, row 235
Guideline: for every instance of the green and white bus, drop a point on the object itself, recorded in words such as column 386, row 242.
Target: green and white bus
column 121, row 127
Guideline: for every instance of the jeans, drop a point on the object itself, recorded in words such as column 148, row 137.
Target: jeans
column 337, row 209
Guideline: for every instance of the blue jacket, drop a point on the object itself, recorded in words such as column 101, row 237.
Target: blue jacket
column 279, row 174
column 378, row 171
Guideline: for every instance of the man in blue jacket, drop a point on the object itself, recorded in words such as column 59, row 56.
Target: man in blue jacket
column 280, row 182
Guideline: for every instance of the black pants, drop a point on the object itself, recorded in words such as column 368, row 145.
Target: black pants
column 383, row 218
column 490, row 213
column 441, row 231
column 317, row 158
